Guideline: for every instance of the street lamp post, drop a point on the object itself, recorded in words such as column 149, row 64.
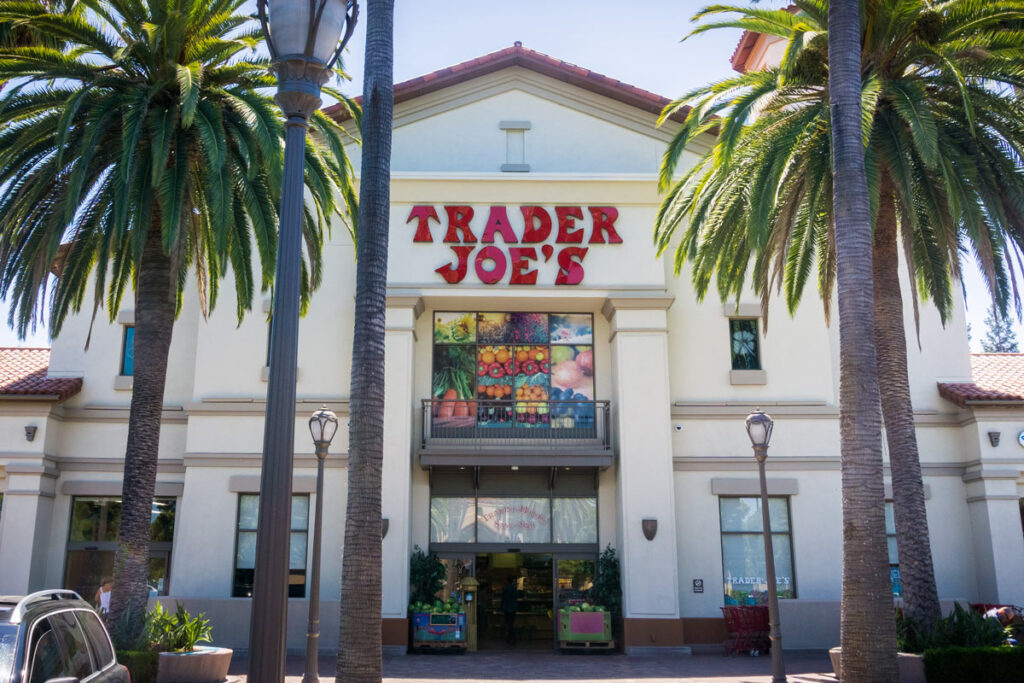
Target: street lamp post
column 759, row 429
column 305, row 38
column 322, row 426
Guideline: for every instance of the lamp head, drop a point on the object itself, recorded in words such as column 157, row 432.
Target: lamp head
column 322, row 426
column 308, row 29
column 759, row 428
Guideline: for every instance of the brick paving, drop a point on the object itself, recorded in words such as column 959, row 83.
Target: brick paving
column 541, row 666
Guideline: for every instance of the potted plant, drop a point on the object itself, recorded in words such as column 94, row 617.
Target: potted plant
column 177, row 636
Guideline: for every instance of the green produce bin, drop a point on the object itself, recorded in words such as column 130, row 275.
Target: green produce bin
column 592, row 627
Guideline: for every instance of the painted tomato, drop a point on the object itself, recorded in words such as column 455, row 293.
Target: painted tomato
column 496, row 371
column 530, row 367
column 481, row 369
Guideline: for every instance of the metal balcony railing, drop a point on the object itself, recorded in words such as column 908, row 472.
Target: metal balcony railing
column 527, row 425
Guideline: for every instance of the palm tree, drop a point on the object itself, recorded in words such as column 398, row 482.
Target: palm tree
column 942, row 138
column 359, row 650
column 141, row 153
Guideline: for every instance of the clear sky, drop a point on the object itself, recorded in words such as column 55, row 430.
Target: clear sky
column 636, row 42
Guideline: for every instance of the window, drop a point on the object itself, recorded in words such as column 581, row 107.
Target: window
column 498, row 370
column 743, row 344
column 92, row 542
column 743, row 564
column 128, row 351
column 99, row 643
column 513, row 508
column 245, row 545
column 894, row 556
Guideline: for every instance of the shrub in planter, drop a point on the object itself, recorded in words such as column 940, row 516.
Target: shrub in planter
column 961, row 628
column 975, row 664
column 177, row 632
column 141, row 664
column 426, row 576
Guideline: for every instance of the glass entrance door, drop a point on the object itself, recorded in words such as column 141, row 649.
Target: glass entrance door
column 515, row 603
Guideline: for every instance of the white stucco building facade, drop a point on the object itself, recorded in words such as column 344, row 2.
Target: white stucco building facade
column 523, row 200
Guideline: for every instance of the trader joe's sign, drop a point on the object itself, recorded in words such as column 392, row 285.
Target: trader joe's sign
column 536, row 237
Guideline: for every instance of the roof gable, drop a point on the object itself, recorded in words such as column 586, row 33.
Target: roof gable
column 519, row 56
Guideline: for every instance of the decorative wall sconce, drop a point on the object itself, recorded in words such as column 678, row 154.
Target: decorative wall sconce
column 650, row 527
column 384, row 524
column 30, row 432
column 993, row 438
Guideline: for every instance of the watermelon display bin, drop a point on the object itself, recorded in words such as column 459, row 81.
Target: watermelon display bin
column 440, row 630
column 581, row 630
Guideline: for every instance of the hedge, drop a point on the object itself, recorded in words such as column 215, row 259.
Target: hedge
column 972, row 664
column 141, row 664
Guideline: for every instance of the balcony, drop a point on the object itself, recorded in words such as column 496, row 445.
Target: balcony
column 515, row 433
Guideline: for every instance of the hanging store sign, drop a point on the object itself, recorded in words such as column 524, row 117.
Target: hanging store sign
column 554, row 242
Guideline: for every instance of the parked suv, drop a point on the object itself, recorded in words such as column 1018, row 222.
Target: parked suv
column 55, row 636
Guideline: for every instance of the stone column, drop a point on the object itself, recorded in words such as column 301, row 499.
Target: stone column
column 641, row 421
column 27, row 516
column 400, row 340
column 994, row 508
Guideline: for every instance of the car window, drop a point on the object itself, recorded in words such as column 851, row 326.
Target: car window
column 102, row 654
column 47, row 657
column 74, row 643
column 8, row 641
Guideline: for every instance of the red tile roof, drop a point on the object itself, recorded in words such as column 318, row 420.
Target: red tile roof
column 524, row 57
column 998, row 377
column 743, row 49
column 23, row 373
column 746, row 45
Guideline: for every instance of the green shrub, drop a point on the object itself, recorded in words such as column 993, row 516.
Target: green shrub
column 607, row 590
column 142, row 664
column 972, row 664
column 178, row 631
column 960, row 628
column 426, row 576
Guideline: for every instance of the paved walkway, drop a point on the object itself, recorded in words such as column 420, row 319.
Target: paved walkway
column 551, row 666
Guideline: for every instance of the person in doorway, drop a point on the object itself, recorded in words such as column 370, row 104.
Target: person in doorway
column 509, row 606
column 102, row 599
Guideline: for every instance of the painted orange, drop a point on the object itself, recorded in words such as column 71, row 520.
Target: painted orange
column 652, row 632
column 704, row 630
column 395, row 632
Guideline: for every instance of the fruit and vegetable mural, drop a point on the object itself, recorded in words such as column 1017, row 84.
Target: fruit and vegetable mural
column 528, row 370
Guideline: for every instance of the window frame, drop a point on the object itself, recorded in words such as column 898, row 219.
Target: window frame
column 759, row 361
column 157, row 549
column 239, row 530
column 124, row 351
column 760, row 534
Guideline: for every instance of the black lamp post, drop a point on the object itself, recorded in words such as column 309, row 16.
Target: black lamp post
column 759, row 429
column 322, row 426
column 305, row 38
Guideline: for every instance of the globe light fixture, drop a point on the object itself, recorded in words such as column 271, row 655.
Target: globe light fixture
column 305, row 39
column 759, row 429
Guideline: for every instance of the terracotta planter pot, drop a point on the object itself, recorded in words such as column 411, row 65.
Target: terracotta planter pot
column 911, row 666
column 204, row 665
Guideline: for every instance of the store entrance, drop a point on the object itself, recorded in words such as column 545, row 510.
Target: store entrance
column 520, row 595
column 515, row 609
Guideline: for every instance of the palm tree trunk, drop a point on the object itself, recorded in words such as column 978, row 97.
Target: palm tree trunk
column 155, row 300
column 868, row 632
column 920, row 597
column 359, row 651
